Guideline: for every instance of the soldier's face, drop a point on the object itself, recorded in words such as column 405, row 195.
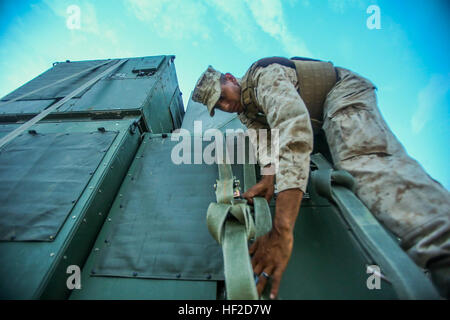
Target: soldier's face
column 230, row 98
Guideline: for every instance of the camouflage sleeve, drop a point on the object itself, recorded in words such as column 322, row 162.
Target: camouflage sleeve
column 261, row 150
column 286, row 112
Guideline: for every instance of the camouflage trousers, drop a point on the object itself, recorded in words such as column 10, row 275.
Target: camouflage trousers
column 396, row 189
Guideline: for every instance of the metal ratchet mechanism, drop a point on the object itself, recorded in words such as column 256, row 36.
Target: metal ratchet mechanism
column 237, row 193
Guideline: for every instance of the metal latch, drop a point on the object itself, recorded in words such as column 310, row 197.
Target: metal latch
column 236, row 189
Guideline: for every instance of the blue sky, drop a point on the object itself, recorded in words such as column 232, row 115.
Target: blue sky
column 408, row 58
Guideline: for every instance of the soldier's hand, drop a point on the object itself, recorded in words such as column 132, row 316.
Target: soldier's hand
column 271, row 254
column 264, row 188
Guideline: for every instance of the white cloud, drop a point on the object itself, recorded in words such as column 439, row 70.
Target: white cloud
column 172, row 19
column 306, row 3
column 91, row 30
column 88, row 15
column 111, row 36
column 429, row 99
column 241, row 21
column 340, row 6
column 268, row 14
column 237, row 22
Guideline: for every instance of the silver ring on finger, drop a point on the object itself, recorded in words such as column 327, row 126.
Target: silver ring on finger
column 265, row 275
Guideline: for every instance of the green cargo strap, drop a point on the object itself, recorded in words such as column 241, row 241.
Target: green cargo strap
column 408, row 281
column 263, row 221
column 324, row 178
column 231, row 223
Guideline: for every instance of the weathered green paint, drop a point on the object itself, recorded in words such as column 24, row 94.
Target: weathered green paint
column 31, row 270
column 154, row 95
column 120, row 287
column 113, row 288
column 51, row 166
column 327, row 262
column 24, row 106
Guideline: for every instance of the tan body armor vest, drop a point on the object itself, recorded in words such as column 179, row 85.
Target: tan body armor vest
column 315, row 78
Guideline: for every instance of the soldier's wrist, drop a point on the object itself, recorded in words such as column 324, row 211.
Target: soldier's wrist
column 283, row 229
column 268, row 172
column 268, row 178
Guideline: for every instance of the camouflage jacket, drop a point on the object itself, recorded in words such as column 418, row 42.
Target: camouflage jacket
column 277, row 96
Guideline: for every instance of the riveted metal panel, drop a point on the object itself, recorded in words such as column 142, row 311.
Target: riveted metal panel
column 30, row 270
column 113, row 95
column 132, row 88
column 157, row 112
column 164, row 211
column 114, row 288
column 57, row 72
column 43, row 175
column 120, row 265
column 175, row 110
column 148, row 64
column 26, row 106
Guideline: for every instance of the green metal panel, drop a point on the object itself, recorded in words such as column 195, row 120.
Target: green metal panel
column 130, row 89
column 104, row 95
column 174, row 87
column 164, row 212
column 140, row 221
column 51, row 166
column 112, row 288
column 168, row 78
column 127, row 71
column 408, row 280
column 327, row 262
column 156, row 110
column 148, row 65
column 176, row 106
column 333, row 248
column 30, row 270
column 25, row 106
column 58, row 72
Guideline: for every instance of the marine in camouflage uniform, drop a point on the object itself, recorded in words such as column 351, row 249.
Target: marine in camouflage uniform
column 390, row 183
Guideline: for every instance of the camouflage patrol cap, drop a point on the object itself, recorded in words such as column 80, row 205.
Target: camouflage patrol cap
column 207, row 90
